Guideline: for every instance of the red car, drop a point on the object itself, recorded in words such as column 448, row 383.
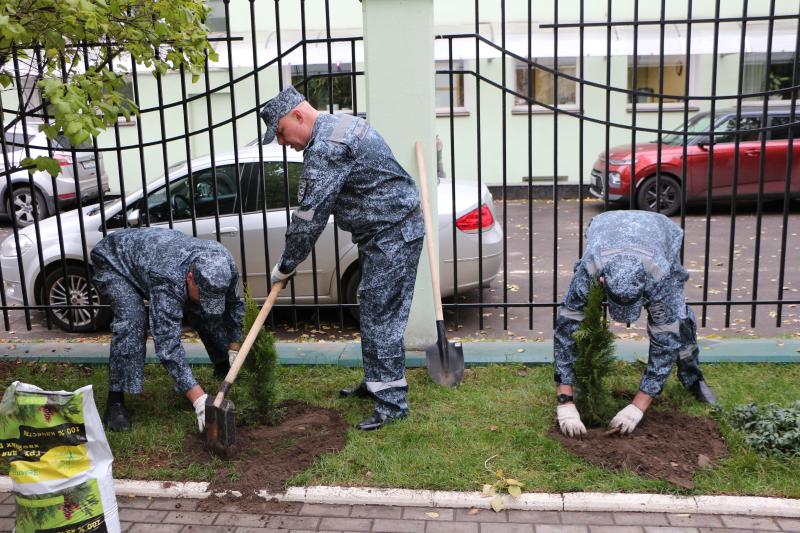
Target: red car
column 698, row 150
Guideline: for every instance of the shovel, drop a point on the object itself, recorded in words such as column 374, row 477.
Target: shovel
column 445, row 359
column 220, row 412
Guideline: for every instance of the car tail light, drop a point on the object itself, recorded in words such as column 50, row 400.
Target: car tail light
column 66, row 196
column 63, row 160
column 471, row 222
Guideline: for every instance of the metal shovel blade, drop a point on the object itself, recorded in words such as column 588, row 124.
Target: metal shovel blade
column 445, row 359
column 220, row 427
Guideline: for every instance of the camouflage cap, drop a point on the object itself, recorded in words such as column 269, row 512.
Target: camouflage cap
column 212, row 275
column 275, row 109
column 624, row 278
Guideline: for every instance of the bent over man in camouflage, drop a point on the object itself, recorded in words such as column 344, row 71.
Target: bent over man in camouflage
column 180, row 276
column 350, row 171
column 635, row 254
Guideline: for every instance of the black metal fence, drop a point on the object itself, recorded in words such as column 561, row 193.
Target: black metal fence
column 599, row 76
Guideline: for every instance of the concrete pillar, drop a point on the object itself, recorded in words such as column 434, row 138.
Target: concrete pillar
column 399, row 77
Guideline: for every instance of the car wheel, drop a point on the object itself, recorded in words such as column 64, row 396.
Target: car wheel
column 669, row 202
column 74, row 289
column 351, row 293
column 21, row 205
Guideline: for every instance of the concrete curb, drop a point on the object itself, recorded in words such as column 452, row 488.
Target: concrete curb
column 348, row 354
column 530, row 501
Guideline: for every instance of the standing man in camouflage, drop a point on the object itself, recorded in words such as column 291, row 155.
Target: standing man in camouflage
column 181, row 277
column 635, row 254
column 348, row 170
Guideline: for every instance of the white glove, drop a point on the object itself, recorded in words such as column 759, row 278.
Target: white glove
column 569, row 420
column 277, row 275
column 627, row 419
column 232, row 356
column 200, row 410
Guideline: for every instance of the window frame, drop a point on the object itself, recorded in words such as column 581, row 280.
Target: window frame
column 458, row 110
column 522, row 109
column 646, row 107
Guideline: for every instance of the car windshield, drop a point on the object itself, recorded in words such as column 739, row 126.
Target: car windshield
column 697, row 124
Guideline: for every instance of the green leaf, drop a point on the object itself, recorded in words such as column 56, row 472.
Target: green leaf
column 515, row 491
column 510, row 481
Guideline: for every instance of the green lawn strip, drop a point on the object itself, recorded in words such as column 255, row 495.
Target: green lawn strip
column 503, row 411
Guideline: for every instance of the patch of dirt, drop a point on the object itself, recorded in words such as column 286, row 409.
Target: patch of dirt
column 266, row 456
column 667, row 445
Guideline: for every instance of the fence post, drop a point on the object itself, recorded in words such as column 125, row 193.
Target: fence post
column 399, row 76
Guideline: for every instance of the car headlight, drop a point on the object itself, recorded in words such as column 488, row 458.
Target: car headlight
column 614, row 179
column 9, row 246
column 621, row 161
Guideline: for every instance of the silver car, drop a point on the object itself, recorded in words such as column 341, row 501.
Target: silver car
column 16, row 192
column 240, row 227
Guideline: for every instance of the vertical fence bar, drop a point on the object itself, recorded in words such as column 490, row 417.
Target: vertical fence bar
column 581, row 110
column 710, row 168
column 453, row 180
column 735, row 184
column 556, row 111
column 188, row 148
column 529, row 69
column 478, row 156
column 762, row 160
column 685, row 138
column 504, row 170
column 660, row 119
column 787, row 189
column 634, row 102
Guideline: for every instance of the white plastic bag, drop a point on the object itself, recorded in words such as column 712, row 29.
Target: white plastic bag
column 60, row 461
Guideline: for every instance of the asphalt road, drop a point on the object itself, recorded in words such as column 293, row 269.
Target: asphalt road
column 543, row 276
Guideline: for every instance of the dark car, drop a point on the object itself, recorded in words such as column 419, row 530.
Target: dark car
column 698, row 153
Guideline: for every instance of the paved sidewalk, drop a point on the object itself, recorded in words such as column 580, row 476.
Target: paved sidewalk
column 166, row 515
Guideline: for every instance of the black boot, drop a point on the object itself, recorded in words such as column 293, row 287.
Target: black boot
column 116, row 417
column 703, row 392
column 359, row 391
column 375, row 421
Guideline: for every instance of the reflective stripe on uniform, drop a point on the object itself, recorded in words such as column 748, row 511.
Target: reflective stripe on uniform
column 672, row 327
column 687, row 351
column 337, row 135
column 377, row 386
column 566, row 312
column 307, row 214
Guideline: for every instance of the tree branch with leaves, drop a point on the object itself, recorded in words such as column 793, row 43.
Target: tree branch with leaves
column 76, row 52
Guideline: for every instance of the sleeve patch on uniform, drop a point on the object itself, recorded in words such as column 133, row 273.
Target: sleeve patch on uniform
column 341, row 128
column 360, row 130
column 307, row 214
column 301, row 190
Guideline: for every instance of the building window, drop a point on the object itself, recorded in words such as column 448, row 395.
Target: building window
column 216, row 17
column 648, row 74
column 543, row 89
column 443, row 88
column 31, row 94
column 319, row 86
column 757, row 78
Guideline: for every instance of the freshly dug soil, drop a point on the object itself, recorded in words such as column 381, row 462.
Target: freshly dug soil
column 667, row 445
column 266, row 456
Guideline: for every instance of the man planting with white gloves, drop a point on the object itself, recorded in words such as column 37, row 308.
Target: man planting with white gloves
column 635, row 254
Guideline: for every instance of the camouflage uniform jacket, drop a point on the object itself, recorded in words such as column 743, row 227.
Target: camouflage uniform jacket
column 655, row 240
column 156, row 261
column 350, row 171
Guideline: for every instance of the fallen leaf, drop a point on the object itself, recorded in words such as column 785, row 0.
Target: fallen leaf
column 473, row 511
column 703, row 461
column 515, row 491
column 520, row 350
column 493, row 427
column 497, row 503
column 432, row 515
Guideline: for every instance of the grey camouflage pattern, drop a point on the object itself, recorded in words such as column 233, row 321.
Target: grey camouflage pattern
column 655, row 241
column 151, row 263
column 349, row 171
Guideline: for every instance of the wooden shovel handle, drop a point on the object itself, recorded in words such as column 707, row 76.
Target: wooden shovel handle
column 423, row 187
column 248, row 341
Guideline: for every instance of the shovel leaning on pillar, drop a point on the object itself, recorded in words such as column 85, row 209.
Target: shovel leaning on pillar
column 445, row 359
column 220, row 412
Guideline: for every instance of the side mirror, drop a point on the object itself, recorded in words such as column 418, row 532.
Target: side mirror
column 704, row 142
column 133, row 218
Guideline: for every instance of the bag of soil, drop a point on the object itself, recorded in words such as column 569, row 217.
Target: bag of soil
column 60, row 461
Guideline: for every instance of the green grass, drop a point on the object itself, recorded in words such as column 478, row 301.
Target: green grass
column 503, row 411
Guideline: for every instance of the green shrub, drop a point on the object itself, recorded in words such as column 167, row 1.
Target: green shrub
column 771, row 429
column 254, row 391
column 594, row 361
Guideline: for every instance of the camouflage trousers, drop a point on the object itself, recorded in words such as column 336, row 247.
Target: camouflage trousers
column 129, row 335
column 389, row 270
column 659, row 364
